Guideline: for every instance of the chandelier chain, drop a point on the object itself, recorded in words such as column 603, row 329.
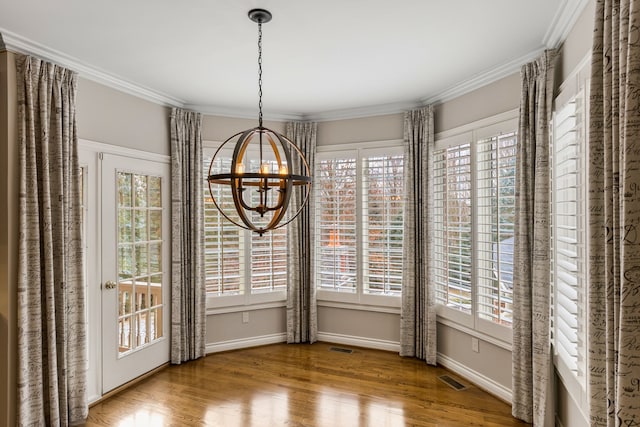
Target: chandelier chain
column 260, row 73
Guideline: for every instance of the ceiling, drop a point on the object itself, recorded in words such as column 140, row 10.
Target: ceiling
column 321, row 58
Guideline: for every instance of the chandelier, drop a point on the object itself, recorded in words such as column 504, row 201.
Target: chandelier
column 253, row 185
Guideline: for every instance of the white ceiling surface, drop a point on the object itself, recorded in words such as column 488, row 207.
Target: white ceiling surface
column 318, row 57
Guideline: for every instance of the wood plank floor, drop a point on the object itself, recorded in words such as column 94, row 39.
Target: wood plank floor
column 301, row 385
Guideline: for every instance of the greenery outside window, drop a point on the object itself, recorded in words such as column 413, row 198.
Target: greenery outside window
column 359, row 202
column 474, row 214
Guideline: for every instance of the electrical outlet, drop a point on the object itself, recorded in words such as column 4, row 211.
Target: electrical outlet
column 245, row 317
column 475, row 345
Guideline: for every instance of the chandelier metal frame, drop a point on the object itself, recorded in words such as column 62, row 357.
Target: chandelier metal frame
column 264, row 180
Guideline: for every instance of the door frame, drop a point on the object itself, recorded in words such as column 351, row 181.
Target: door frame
column 90, row 153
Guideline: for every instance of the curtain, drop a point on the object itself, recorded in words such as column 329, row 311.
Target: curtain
column 418, row 318
column 613, row 342
column 302, row 323
column 531, row 351
column 52, row 331
column 188, row 294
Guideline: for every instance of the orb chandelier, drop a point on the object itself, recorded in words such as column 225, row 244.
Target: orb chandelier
column 253, row 184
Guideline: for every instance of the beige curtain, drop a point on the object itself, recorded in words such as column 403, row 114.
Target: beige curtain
column 302, row 323
column 531, row 355
column 188, row 293
column 614, row 222
column 418, row 318
column 52, row 337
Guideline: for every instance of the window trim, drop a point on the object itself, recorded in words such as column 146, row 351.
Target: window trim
column 472, row 133
column 327, row 297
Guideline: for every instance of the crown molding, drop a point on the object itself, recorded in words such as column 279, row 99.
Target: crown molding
column 3, row 47
column 16, row 43
column 483, row 79
column 244, row 113
column 356, row 113
column 563, row 21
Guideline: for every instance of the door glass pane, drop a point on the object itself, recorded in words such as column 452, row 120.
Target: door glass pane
column 141, row 294
column 155, row 290
column 155, row 323
column 140, row 274
column 124, row 225
column 155, row 224
column 142, row 259
column 125, row 262
column 140, row 183
column 154, row 192
column 155, row 258
column 142, row 324
column 124, row 334
column 124, row 299
column 124, row 189
column 141, row 225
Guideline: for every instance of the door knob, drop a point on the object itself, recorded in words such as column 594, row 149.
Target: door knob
column 110, row 284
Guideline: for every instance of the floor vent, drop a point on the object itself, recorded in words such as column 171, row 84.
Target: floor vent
column 452, row 383
column 341, row 350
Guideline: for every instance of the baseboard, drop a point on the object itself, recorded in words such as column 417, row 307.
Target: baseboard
column 359, row 341
column 245, row 343
column 481, row 381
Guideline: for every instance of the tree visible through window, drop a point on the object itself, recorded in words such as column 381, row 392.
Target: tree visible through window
column 474, row 216
column 359, row 222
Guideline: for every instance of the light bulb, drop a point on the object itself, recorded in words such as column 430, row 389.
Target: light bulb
column 239, row 168
column 264, row 169
column 283, row 170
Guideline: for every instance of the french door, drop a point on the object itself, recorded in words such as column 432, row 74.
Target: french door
column 135, row 282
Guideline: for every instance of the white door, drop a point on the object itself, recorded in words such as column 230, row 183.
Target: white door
column 135, row 268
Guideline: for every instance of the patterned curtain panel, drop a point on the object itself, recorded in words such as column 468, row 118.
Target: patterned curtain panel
column 188, row 293
column 302, row 322
column 614, row 206
column 418, row 319
column 52, row 330
column 531, row 355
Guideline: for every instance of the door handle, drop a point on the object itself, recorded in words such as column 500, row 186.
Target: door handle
column 109, row 284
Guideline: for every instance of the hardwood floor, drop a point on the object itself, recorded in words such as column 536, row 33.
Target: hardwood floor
column 301, row 385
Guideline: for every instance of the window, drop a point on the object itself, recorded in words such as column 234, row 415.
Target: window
column 474, row 214
column 452, row 220
column 359, row 224
column 241, row 267
column 568, row 207
column 496, row 205
column 336, row 248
